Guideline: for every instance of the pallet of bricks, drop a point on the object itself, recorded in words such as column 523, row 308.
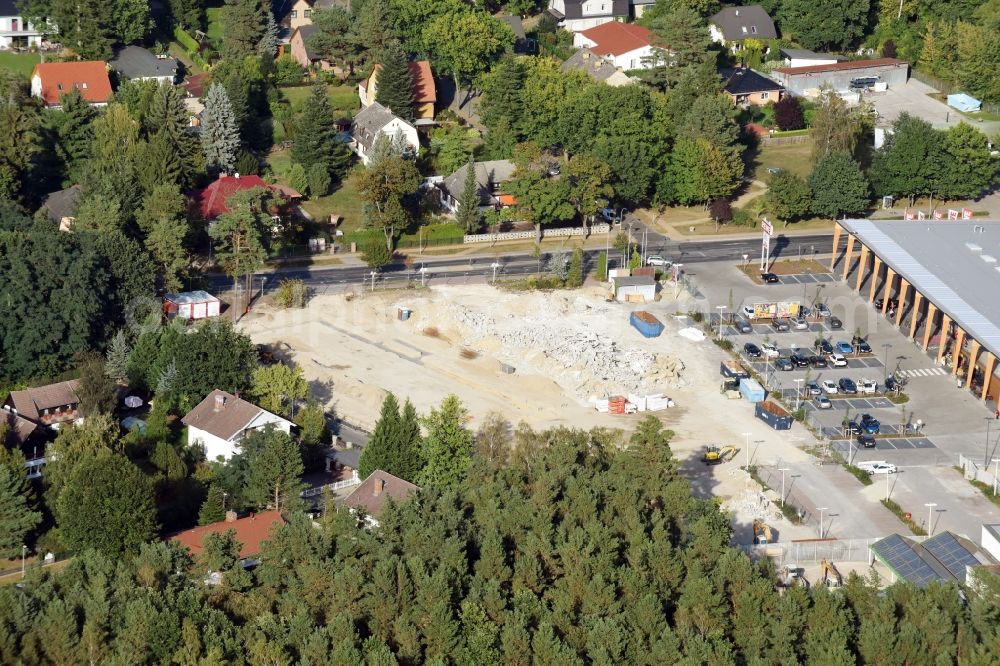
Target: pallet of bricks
column 616, row 404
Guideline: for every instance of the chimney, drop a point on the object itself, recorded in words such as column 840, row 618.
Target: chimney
column 377, row 489
column 236, row 175
column 220, row 402
column 230, row 516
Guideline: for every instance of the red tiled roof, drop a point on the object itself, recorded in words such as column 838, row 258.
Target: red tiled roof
column 841, row 66
column 615, row 38
column 424, row 90
column 211, row 200
column 195, row 85
column 58, row 78
column 250, row 532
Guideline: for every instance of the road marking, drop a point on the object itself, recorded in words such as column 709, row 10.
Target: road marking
column 924, row 372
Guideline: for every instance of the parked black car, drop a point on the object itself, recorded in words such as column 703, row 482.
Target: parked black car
column 852, row 428
column 835, row 324
column 824, row 346
column 743, row 326
column 847, row 385
column 783, row 363
column 818, row 362
column 862, row 346
column 866, row 441
column 892, row 385
column 769, row 278
column 752, row 350
column 800, row 360
column 779, row 324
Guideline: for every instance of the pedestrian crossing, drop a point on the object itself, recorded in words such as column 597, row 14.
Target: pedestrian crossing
column 923, row 372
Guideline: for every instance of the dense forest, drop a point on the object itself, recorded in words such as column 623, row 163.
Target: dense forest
column 559, row 547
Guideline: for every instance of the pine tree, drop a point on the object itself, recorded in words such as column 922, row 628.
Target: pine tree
column 75, row 133
column 165, row 243
column 394, row 83
column 575, row 277
column 316, row 141
column 213, row 509
column 16, row 518
column 408, row 462
column 220, row 135
column 168, row 116
column 384, row 442
column 116, row 363
column 447, row 447
column 244, row 26
column 188, row 14
column 268, row 43
column 158, row 162
column 467, row 215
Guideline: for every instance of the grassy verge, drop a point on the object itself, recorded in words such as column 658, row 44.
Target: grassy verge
column 898, row 510
column 794, row 157
column 343, row 99
column 788, row 509
column 984, row 488
column 534, row 283
column 21, row 63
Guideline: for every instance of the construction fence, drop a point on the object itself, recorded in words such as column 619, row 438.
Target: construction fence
column 812, row 551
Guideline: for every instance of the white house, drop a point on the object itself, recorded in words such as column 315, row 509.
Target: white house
column 624, row 45
column 806, row 58
column 138, row 64
column 577, row 15
column 221, row 420
column 15, row 31
column 490, row 177
column 376, row 120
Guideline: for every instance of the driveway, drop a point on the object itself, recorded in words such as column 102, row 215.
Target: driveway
column 914, row 98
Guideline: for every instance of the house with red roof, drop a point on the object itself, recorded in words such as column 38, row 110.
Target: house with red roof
column 250, row 531
column 424, row 90
column 51, row 80
column 210, row 201
column 624, row 45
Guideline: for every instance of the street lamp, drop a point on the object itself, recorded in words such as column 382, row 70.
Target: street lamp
column 887, row 485
column 996, row 468
column 495, row 265
column 423, row 275
column 783, row 470
column 373, row 280
column 24, row 551
column 885, row 356
column 822, row 510
column 798, row 393
column 986, row 453
column 930, row 513
column 747, row 435
column 720, row 308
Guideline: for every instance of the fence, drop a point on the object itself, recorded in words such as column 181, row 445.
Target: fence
column 947, row 87
column 971, row 471
column 784, row 140
column 338, row 485
column 811, row 551
column 602, row 228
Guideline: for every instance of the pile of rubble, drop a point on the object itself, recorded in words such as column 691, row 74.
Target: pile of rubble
column 752, row 504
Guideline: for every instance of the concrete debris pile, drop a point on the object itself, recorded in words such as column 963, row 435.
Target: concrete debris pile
column 753, row 505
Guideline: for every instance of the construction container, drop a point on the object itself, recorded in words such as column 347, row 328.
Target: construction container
column 646, row 323
column 191, row 305
column 506, row 369
column 616, row 404
column 403, row 314
column 773, row 415
column 733, row 370
column 752, row 390
column 658, row 401
column 638, row 400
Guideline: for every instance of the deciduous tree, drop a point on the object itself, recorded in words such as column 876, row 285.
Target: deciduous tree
column 383, row 187
column 465, row 43
column 911, row 160
column 277, row 387
column 838, row 186
column 834, row 24
column 788, row 196
column 788, row 114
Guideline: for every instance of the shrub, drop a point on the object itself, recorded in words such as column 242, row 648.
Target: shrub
column 291, row 294
column 788, row 114
column 319, row 180
column 185, row 40
column 297, row 178
column 288, row 71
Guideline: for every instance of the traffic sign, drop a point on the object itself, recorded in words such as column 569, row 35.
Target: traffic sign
column 767, row 227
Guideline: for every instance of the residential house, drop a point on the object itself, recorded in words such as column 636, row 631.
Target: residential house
column 424, row 90
column 222, row 420
column 375, row 492
column 639, row 7
column 251, row 531
column 51, row 80
column 522, row 44
column 375, row 120
column 301, row 11
column 50, row 405
column 138, row 64
column 597, row 68
column 490, row 177
column 577, row 15
column 298, row 47
column 210, row 201
column 15, row 31
column 19, row 429
column 748, row 88
column 807, row 58
column 60, row 207
column 624, row 45
column 732, row 25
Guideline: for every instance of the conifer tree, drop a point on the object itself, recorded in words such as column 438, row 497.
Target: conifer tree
column 212, row 509
column 75, row 133
column 408, row 460
column 16, row 517
column 116, row 363
column 395, row 84
column 447, row 447
column 316, row 141
column 378, row 453
column 167, row 116
column 244, row 26
column 220, row 134
column 467, row 215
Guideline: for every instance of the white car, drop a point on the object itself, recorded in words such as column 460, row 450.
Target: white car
column 770, row 350
column 656, row 260
column 799, row 323
column 878, row 467
column 867, row 386
column 748, row 311
column 837, row 360
column 830, row 387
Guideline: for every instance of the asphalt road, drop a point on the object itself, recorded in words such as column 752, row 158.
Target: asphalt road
column 686, row 252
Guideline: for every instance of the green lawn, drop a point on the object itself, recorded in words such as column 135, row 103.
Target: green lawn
column 19, row 62
column 794, row 157
column 344, row 99
column 344, row 201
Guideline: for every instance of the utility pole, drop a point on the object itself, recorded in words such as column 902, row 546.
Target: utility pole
column 930, row 515
column 822, row 510
column 783, row 470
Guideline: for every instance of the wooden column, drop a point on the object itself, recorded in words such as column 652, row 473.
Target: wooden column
column 943, row 337
column 862, row 267
column 837, row 230
column 876, row 269
column 929, row 326
column 956, row 350
column 973, row 357
column 849, row 257
column 991, row 362
column 917, row 299
column 890, row 277
column 904, row 286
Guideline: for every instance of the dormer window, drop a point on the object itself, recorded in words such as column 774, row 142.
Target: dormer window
column 84, row 85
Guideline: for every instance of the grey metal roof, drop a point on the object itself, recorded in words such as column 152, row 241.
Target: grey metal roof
column 594, row 65
column 136, row 62
column 488, row 174
column 62, row 203
column 738, row 23
column 954, row 264
column 634, row 282
column 305, row 32
column 806, row 54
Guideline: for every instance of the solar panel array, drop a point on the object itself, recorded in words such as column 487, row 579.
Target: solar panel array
column 949, row 552
column 898, row 553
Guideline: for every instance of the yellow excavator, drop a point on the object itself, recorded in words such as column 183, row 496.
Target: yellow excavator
column 715, row 455
column 829, row 574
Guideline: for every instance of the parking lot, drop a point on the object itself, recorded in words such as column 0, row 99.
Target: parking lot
column 914, row 98
column 951, row 421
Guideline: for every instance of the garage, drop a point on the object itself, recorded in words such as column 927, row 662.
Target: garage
column 807, row 81
column 635, row 289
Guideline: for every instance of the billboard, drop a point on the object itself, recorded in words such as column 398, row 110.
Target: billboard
column 779, row 310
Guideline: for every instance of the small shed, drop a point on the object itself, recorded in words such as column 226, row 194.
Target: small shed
column 635, row 289
column 191, row 305
column 964, row 103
